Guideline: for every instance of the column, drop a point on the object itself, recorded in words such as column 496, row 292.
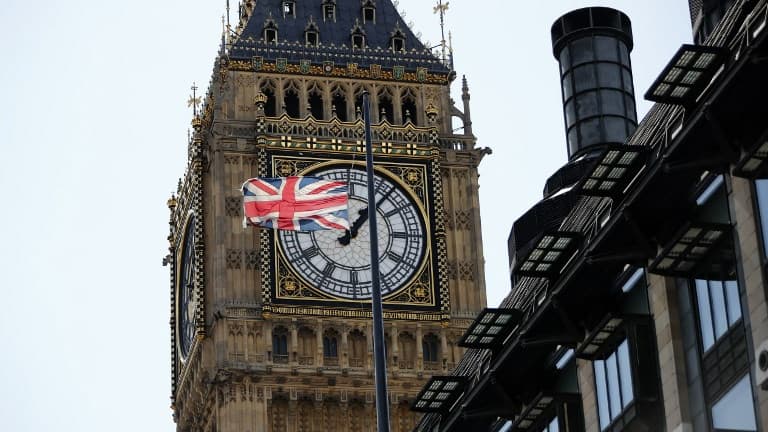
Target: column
column 294, row 342
column 419, row 348
column 319, row 334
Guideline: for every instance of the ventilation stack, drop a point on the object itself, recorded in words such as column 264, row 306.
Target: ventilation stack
column 592, row 46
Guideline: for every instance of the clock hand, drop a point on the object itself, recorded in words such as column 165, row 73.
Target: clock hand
column 361, row 219
column 352, row 231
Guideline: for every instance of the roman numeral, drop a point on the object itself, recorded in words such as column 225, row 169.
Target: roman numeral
column 310, row 252
column 405, row 235
column 328, row 270
column 394, row 257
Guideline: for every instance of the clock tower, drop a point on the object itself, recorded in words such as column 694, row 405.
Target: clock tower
column 271, row 330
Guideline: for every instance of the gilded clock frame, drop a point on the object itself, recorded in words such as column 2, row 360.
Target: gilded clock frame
column 422, row 298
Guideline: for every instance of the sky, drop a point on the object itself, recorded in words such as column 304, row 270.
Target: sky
column 93, row 129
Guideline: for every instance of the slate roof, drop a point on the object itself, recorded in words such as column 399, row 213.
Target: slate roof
column 334, row 36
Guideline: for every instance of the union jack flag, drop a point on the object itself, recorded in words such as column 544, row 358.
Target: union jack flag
column 295, row 203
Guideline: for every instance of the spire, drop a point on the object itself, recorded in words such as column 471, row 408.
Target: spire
column 465, row 99
column 441, row 8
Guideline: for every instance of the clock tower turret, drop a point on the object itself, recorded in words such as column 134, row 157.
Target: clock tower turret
column 271, row 329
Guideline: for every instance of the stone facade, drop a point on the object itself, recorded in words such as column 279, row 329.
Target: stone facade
column 261, row 363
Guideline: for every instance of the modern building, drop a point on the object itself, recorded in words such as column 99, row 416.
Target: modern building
column 639, row 284
column 271, row 330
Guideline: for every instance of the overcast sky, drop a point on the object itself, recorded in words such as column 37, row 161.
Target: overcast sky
column 93, row 129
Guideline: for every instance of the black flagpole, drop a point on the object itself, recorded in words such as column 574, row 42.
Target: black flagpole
column 379, row 357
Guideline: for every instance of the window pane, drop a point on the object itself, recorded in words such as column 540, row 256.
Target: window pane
column 612, row 102
column 567, row 87
column 581, row 50
column 602, row 394
column 553, row 426
column 586, row 105
column 584, row 78
column 614, row 394
column 609, row 75
column 590, row 132
column 565, row 60
column 605, row 48
column 615, row 129
column 761, row 189
column 719, row 316
column 627, row 81
column 705, row 314
column 735, row 410
column 625, row 374
column 734, row 304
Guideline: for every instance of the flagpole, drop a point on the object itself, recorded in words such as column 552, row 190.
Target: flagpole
column 379, row 356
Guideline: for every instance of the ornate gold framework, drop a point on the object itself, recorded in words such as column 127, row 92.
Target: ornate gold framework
column 422, row 297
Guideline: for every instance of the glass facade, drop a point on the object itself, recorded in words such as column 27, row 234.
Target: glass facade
column 718, row 307
column 735, row 411
column 613, row 384
column 761, row 198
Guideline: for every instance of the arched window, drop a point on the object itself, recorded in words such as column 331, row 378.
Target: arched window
column 270, row 108
column 329, row 10
column 407, row 348
column 307, row 348
column 429, row 346
column 386, row 109
column 316, row 103
column 270, row 32
column 291, row 101
column 331, row 348
column 280, row 345
column 408, row 107
column 339, row 104
column 357, row 350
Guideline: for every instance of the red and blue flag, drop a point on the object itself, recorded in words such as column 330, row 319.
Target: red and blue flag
column 296, row 203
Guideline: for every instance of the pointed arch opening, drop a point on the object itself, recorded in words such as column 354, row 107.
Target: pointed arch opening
column 315, row 102
column 291, row 104
column 270, row 108
column 386, row 108
column 408, row 107
column 339, row 103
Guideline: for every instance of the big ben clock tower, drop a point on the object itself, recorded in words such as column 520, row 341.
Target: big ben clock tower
column 271, row 330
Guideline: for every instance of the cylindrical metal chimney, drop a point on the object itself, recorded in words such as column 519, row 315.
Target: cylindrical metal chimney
column 593, row 46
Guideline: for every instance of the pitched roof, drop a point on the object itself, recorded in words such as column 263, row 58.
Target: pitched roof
column 334, row 35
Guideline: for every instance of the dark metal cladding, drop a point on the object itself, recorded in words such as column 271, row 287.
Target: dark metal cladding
column 592, row 46
column 706, row 15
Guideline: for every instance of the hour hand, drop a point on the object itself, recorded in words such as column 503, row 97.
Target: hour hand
column 352, row 231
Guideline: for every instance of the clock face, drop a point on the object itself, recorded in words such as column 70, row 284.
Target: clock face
column 186, row 303
column 338, row 262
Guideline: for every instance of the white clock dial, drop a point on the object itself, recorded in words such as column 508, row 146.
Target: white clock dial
column 338, row 262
